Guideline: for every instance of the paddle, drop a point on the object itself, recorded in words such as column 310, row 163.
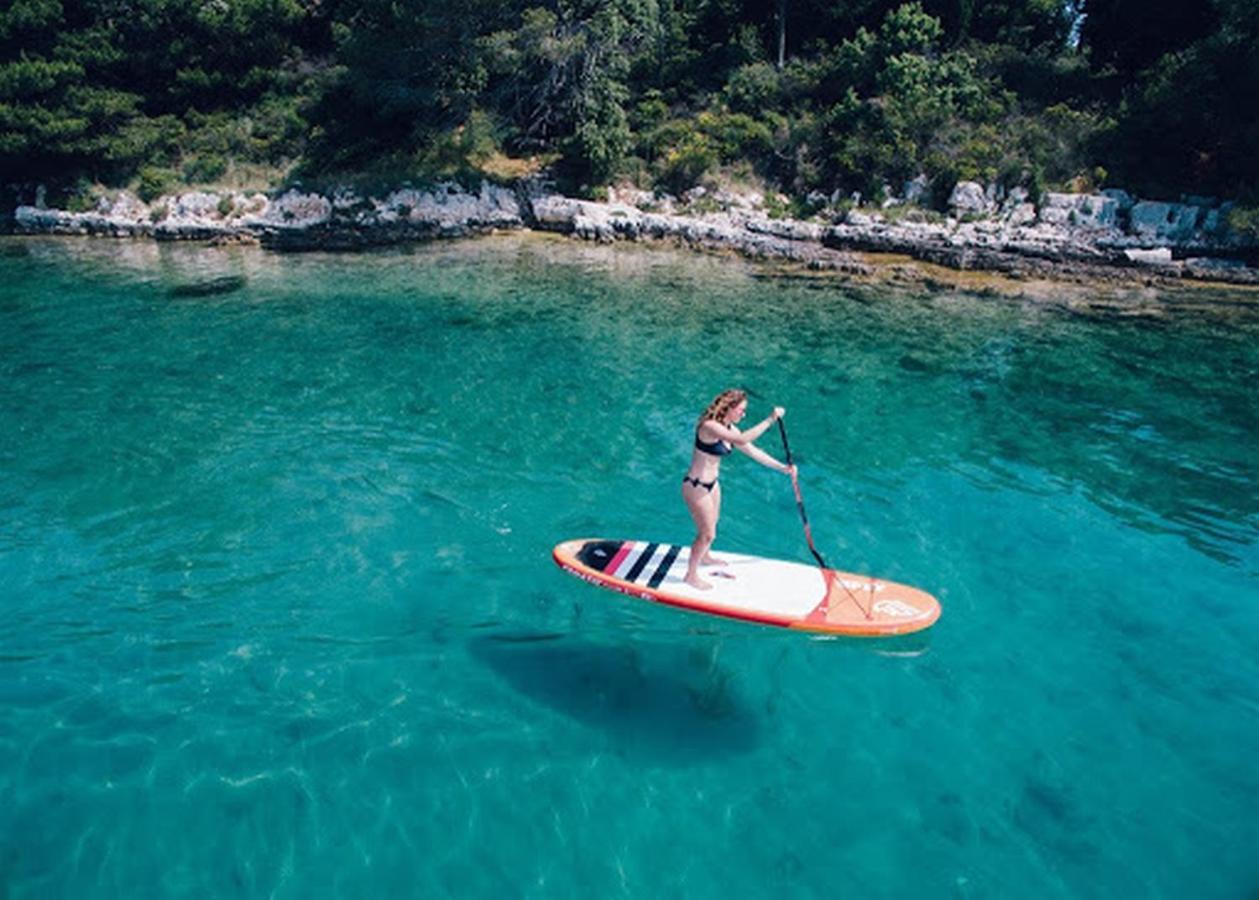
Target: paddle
column 795, row 484
column 830, row 576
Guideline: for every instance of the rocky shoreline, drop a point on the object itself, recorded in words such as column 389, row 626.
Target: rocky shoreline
column 1108, row 236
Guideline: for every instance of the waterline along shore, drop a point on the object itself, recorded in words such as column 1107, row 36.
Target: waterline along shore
column 1109, row 237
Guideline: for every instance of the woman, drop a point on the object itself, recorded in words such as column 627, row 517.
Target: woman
column 715, row 436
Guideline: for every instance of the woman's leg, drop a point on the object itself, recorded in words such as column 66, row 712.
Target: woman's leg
column 708, row 559
column 700, row 504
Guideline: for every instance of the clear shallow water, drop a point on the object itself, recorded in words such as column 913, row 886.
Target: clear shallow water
column 280, row 618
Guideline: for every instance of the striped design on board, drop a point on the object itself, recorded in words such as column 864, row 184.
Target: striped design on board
column 643, row 563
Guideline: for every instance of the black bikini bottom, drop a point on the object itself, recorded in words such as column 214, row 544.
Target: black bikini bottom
column 706, row 485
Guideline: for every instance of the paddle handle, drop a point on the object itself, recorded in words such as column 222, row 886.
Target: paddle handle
column 795, row 484
column 782, row 430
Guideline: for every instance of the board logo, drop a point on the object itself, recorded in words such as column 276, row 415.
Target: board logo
column 896, row 608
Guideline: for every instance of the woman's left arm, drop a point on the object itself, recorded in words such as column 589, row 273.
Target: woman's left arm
column 763, row 458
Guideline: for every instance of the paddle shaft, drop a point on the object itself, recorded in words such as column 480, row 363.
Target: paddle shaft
column 795, row 484
column 808, row 531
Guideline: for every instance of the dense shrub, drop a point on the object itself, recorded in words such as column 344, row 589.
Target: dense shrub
column 204, row 169
column 153, row 182
column 870, row 93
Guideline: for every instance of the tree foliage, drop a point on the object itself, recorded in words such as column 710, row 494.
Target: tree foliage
column 867, row 93
column 100, row 89
column 1184, row 78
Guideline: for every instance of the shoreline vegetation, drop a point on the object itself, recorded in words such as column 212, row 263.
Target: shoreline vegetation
column 1106, row 237
column 972, row 136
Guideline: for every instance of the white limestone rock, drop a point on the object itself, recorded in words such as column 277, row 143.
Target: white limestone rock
column 1163, row 221
column 788, row 229
column 34, row 220
column 1020, row 215
column 124, row 207
column 1093, row 212
column 556, row 212
column 39, row 219
column 194, row 207
column 916, row 189
column 345, row 199
column 293, row 209
column 969, row 199
column 253, row 206
column 1123, row 200
column 1158, row 256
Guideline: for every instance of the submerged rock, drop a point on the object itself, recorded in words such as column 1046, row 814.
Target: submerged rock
column 224, row 284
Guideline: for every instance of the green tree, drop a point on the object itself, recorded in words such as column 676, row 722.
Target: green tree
column 561, row 77
column 905, row 93
column 96, row 88
column 1128, row 36
column 1189, row 124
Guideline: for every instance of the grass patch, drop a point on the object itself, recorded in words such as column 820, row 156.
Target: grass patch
column 502, row 168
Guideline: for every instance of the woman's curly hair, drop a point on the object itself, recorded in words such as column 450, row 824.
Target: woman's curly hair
column 722, row 404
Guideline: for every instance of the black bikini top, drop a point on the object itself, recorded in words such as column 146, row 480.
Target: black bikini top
column 716, row 448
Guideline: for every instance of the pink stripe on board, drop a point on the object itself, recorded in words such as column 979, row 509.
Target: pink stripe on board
column 635, row 549
column 619, row 558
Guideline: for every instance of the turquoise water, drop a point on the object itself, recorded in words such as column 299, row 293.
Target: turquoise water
column 279, row 617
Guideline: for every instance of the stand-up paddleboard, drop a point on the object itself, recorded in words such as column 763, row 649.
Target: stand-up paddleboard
column 752, row 588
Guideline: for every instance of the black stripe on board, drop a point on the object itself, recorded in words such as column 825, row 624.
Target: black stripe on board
column 641, row 563
column 663, row 569
column 597, row 554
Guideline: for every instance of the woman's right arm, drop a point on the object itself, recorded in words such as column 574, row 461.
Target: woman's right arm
column 735, row 436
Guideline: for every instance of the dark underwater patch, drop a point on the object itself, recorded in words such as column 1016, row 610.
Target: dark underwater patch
column 211, row 287
column 648, row 699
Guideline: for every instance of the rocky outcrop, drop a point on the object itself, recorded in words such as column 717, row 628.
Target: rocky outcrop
column 759, row 238
column 293, row 220
column 131, row 218
column 1038, row 249
column 1176, row 222
column 1080, row 212
column 1107, row 234
column 349, row 221
column 969, row 199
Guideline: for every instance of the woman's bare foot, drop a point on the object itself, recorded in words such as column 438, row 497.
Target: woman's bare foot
column 696, row 582
column 710, row 560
